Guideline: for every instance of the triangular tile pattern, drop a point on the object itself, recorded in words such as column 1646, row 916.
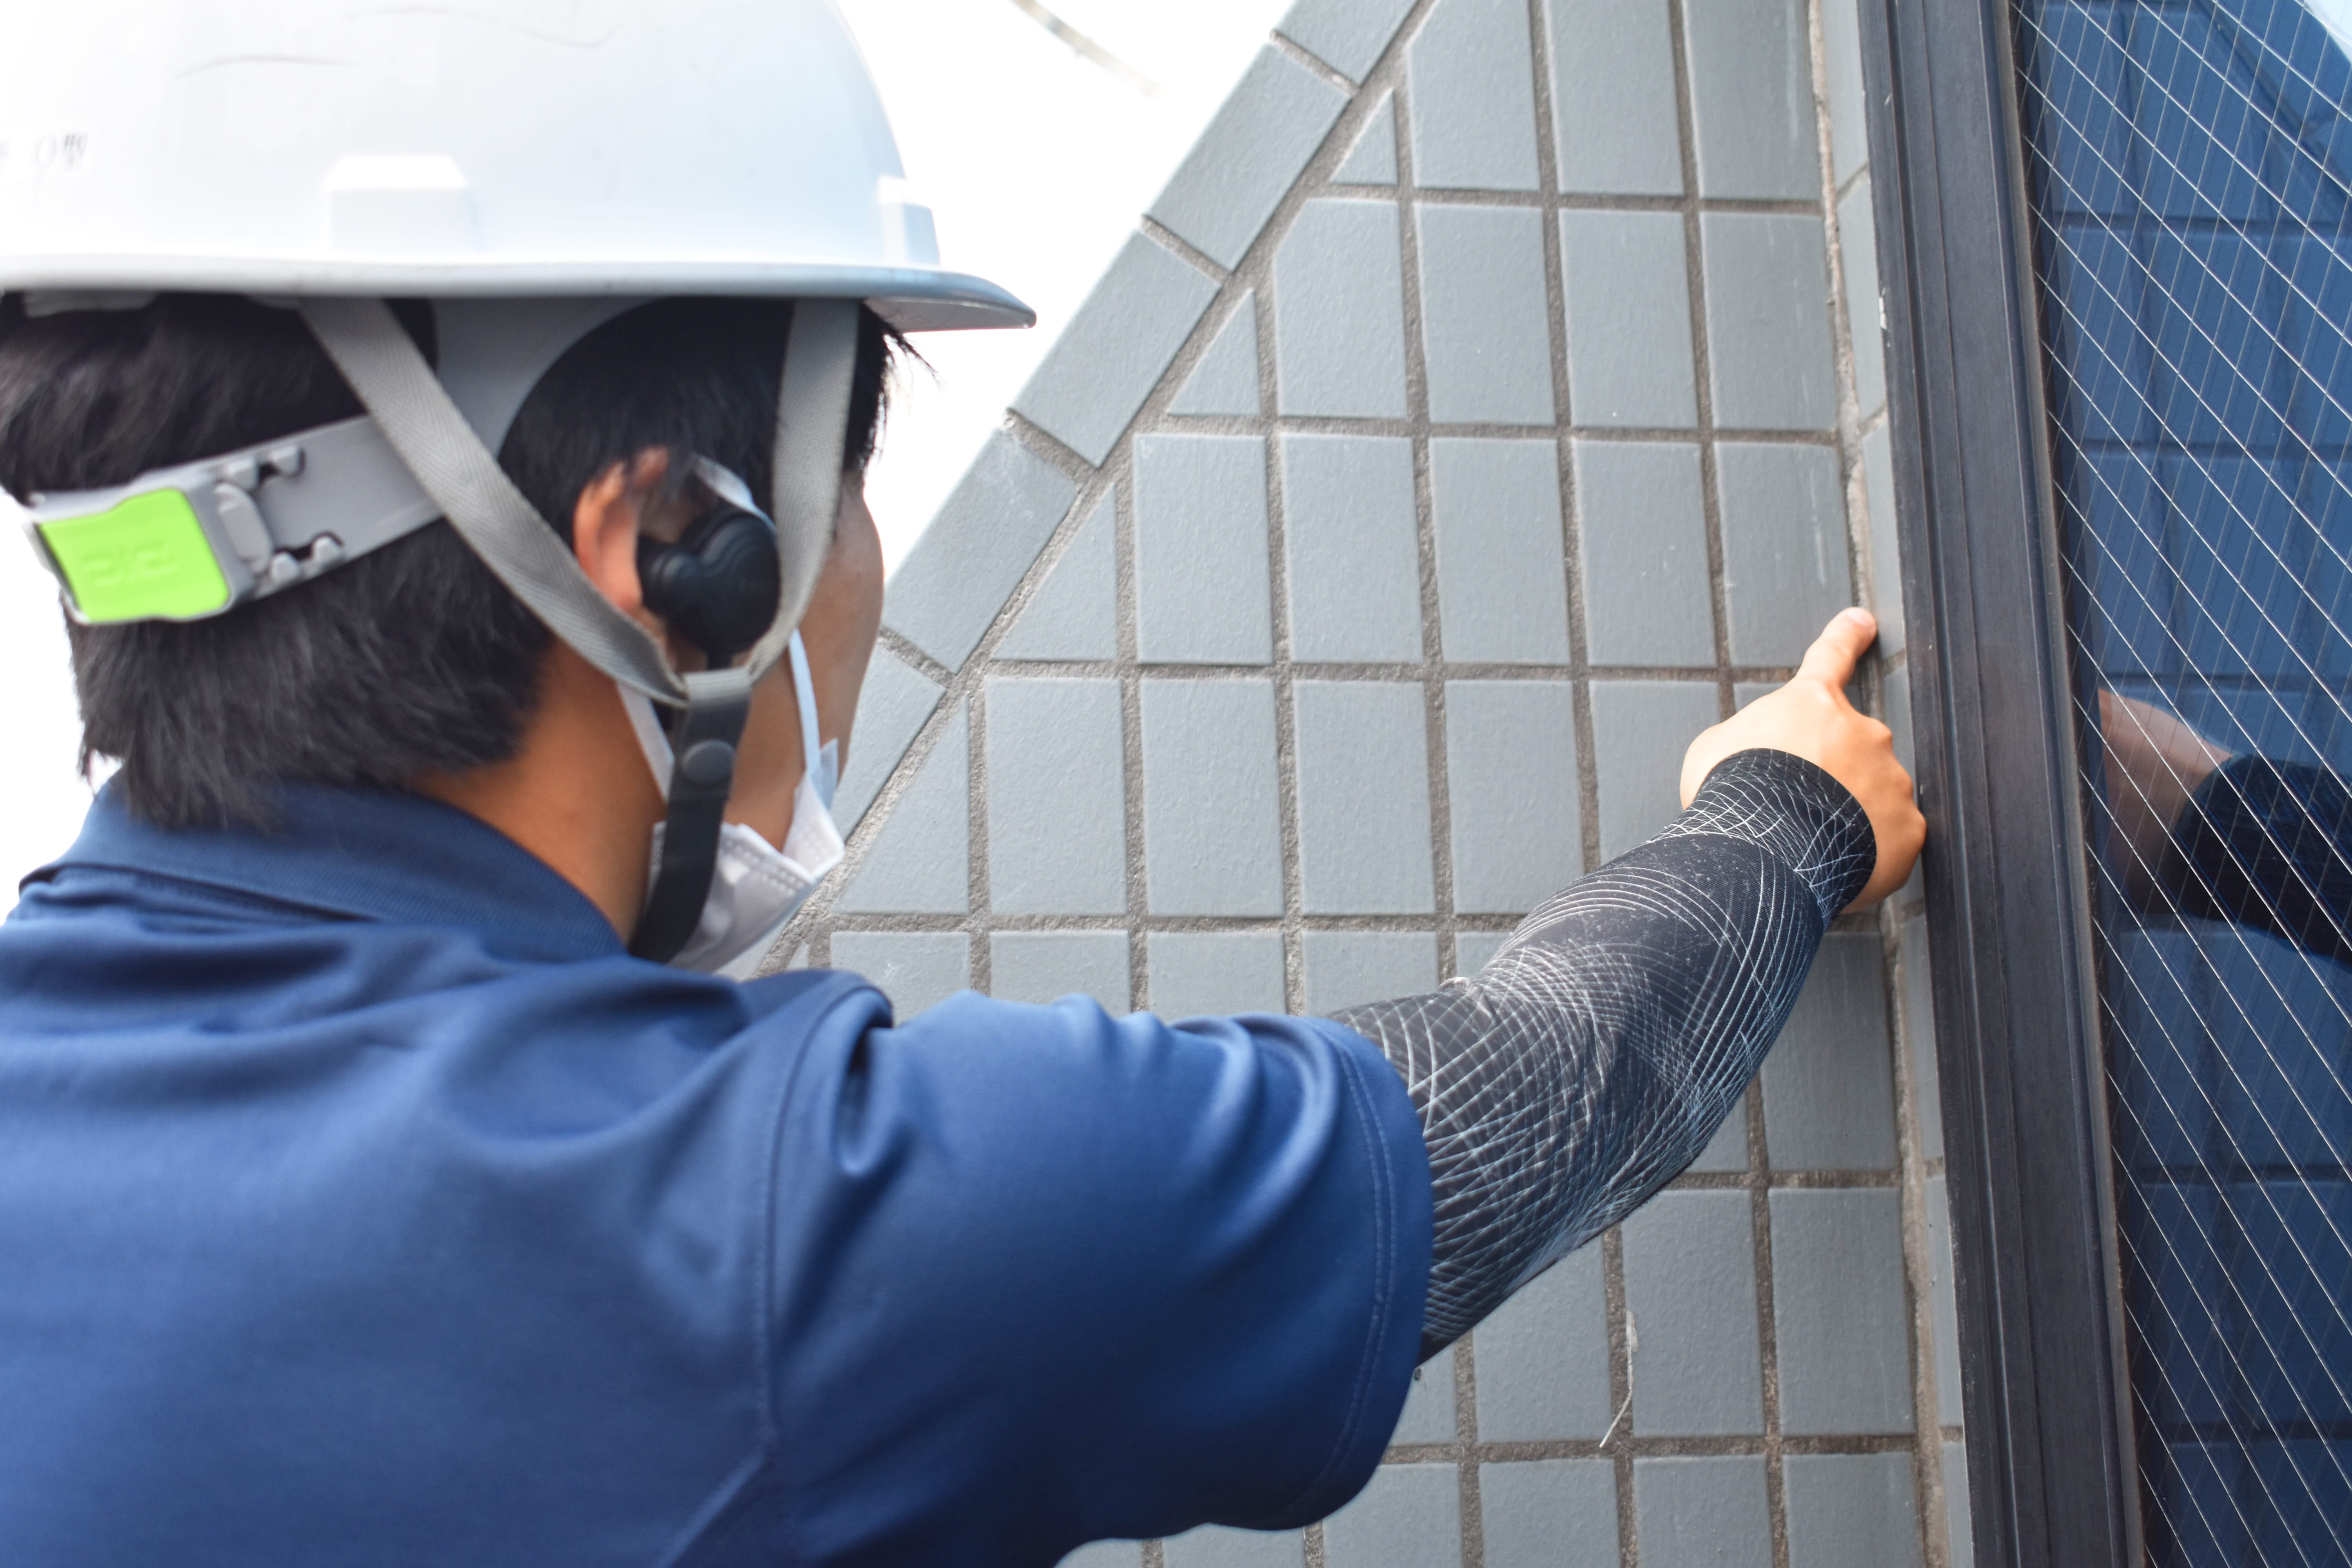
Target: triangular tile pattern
column 1466, row 424
column 1374, row 159
column 1226, row 380
column 1074, row 615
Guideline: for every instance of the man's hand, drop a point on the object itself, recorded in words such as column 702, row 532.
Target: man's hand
column 2155, row 763
column 1810, row 718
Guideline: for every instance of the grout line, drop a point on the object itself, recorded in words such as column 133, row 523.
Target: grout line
column 1128, row 671
column 1373, row 425
column 922, row 664
column 1399, row 674
column 1283, row 44
column 1624, row 1443
column 977, row 895
column 1759, row 1175
column 1289, row 826
column 1552, row 198
column 1193, row 255
column 1702, row 375
column 1473, row 1526
column 1748, row 1446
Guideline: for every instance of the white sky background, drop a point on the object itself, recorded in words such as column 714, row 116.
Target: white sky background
column 1036, row 160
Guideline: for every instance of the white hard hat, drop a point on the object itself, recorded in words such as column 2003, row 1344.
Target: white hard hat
column 498, row 148
column 533, row 167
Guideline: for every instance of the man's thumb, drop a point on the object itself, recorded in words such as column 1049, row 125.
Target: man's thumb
column 1841, row 644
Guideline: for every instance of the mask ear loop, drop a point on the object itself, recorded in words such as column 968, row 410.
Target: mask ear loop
column 811, row 743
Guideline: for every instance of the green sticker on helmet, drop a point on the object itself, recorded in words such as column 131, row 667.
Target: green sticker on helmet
column 145, row 558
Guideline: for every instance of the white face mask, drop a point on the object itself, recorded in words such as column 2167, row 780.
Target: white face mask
column 756, row 886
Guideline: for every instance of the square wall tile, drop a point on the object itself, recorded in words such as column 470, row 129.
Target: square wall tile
column 1850, row 1510
column 1348, row 968
column 1858, row 248
column 1409, row 1517
column 919, row 863
column 1785, row 551
column 1106, row 1555
column 1485, row 319
column 1885, row 541
column 1728, row 1150
column 1613, row 97
column 1919, row 1036
column 1640, row 517
column 1840, row 1311
column 1057, row 797
column 1542, row 1512
column 1473, row 97
column 1113, row 353
column 1768, row 320
column 1429, row 1405
column 1703, row 1514
column 1510, row 749
column 1690, row 1286
column 1943, row 1312
column 1351, row 537
column 1202, row 973
column 1543, row 1358
column 1338, row 312
column 1363, row 805
column 1248, row 158
column 1349, row 36
column 1074, row 615
column 1047, row 965
column 914, row 968
column 1472, row 949
column 1640, row 731
column 1211, row 1546
column 1211, row 807
column 891, row 710
column 1829, row 1084
column 1629, row 322
column 947, row 591
column 1502, row 585
column 1202, row 592
column 1848, row 123
column 1751, row 69
column 1959, row 1537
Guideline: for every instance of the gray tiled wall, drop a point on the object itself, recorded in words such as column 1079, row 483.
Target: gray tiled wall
column 1492, row 400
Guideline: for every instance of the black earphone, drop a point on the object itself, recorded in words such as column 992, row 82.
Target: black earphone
column 716, row 586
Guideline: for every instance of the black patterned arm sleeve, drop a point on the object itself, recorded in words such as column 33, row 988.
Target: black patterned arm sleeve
column 2268, row 844
column 1596, row 1054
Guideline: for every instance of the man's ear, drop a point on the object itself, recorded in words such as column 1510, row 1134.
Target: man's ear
column 611, row 512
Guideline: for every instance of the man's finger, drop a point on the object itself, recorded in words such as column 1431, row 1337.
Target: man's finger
column 1841, row 644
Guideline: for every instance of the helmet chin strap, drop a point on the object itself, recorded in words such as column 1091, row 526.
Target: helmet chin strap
column 396, row 385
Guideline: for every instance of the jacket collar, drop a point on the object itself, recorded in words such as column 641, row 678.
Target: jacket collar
column 353, row 854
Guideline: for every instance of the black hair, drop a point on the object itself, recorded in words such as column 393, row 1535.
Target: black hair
column 412, row 660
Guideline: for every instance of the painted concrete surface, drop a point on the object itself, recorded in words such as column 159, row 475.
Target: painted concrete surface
column 1493, row 399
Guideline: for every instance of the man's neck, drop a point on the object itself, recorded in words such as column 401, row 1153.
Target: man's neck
column 560, row 796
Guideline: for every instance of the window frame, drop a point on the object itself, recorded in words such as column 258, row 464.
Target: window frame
column 2053, row 1478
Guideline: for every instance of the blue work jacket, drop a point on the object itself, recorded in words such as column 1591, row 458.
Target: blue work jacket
column 363, row 1201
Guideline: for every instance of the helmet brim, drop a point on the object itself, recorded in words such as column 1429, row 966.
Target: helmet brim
column 911, row 299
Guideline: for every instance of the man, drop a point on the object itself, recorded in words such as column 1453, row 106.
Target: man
column 379, row 1180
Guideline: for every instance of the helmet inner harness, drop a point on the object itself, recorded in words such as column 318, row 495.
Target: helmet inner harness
column 200, row 539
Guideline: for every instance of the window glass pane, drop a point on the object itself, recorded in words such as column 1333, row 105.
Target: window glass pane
column 2192, row 175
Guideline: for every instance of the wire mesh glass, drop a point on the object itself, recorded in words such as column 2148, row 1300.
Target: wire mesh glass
column 2192, row 177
